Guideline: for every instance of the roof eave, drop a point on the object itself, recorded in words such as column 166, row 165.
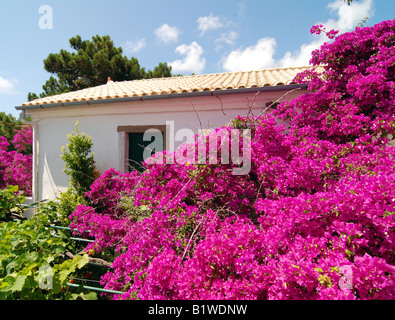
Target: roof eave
column 287, row 87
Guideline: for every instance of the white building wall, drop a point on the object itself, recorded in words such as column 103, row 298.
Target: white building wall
column 100, row 121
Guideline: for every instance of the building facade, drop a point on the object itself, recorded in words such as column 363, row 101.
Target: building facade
column 117, row 114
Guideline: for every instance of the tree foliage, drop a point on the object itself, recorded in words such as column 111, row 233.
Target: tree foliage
column 8, row 126
column 90, row 64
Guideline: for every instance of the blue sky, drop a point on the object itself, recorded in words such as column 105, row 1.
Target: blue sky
column 193, row 36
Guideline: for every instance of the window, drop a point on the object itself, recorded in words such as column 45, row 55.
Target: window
column 138, row 143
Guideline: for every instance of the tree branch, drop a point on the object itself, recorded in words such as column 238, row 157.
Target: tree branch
column 9, row 216
column 96, row 261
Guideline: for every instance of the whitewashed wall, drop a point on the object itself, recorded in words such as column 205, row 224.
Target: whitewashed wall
column 100, row 121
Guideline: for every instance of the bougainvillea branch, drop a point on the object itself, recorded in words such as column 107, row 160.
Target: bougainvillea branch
column 16, row 166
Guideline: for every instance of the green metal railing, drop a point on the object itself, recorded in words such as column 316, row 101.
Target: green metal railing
column 75, row 285
column 94, row 288
column 69, row 229
column 85, row 287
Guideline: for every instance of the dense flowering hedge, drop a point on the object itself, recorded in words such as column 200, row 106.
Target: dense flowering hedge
column 16, row 165
column 313, row 219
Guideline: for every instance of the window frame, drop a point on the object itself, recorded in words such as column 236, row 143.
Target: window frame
column 123, row 141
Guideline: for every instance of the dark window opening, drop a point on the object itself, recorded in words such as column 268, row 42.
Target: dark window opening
column 140, row 150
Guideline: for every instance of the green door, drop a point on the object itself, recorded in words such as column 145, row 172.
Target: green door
column 137, row 145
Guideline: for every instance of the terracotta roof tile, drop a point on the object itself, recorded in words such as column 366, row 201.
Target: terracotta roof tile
column 175, row 85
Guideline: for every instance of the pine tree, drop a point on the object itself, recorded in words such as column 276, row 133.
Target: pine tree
column 91, row 64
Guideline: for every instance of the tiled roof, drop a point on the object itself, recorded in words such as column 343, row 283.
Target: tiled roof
column 176, row 85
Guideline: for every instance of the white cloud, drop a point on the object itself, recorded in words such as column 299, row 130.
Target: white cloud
column 210, row 22
column 228, row 37
column 258, row 56
column 167, row 33
column 300, row 57
column 6, row 86
column 261, row 55
column 242, row 9
column 134, row 46
column 349, row 16
column 192, row 61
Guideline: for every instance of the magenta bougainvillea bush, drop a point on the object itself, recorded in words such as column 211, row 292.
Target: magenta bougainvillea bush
column 314, row 217
column 16, row 165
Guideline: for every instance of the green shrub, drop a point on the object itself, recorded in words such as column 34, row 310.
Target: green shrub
column 10, row 201
column 80, row 163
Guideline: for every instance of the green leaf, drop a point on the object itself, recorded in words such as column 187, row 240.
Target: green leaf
column 63, row 274
column 89, row 296
column 31, row 257
column 10, row 266
column 19, row 283
column 4, row 284
column 50, row 258
column 57, row 285
column 83, row 261
column 388, row 213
